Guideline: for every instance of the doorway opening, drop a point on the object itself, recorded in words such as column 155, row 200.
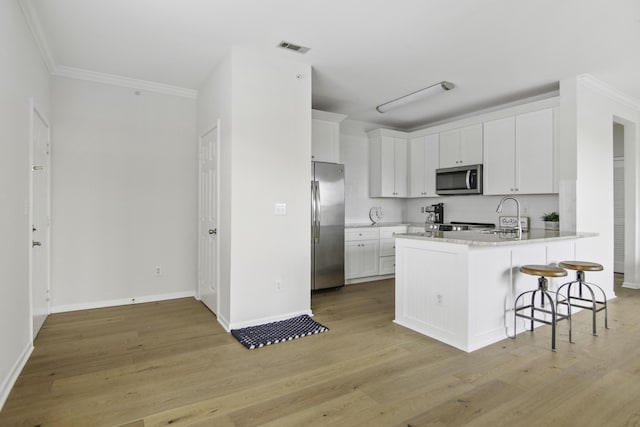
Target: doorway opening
column 618, row 198
column 626, row 225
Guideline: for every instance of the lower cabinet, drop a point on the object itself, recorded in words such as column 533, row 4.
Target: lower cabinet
column 369, row 252
column 388, row 249
column 361, row 259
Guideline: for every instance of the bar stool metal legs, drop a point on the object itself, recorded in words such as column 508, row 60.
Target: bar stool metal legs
column 547, row 304
column 587, row 302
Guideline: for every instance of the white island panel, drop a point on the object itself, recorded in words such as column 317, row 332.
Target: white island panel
column 490, row 278
column 433, row 302
column 462, row 294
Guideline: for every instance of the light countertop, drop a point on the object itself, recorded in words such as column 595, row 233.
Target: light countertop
column 478, row 238
column 383, row 224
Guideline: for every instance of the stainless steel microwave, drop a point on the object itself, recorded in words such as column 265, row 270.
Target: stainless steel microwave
column 459, row 180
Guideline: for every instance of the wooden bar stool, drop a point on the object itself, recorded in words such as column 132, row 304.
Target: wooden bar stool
column 542, row 271
column 582, row 300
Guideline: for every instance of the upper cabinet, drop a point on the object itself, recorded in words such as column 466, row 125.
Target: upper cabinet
column 387, row 163
column 459, row 147
column 519, row 154
column 423, row 162
column 325, row 136
column 515, row 146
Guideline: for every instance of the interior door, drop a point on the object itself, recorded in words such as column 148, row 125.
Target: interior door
column 40, row 224
column 208, row 220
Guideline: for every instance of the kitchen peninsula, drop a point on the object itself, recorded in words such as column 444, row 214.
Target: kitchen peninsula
column 458, row 287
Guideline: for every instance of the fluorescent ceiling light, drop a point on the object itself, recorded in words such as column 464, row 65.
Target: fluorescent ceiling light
column 415, row 96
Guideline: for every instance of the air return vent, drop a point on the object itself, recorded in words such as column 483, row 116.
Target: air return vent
column 294, row 47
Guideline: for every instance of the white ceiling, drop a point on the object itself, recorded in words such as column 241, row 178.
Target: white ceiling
column 363, row 52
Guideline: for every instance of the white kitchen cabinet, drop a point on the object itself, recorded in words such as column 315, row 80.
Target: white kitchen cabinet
column 370, row 252
column 387, row 264
column 361, row 259
column 534, row 148
column 361, row 252
column 518, row 154
column 325, row 136
column 387, row 164
column 460, row 147
column 499, row 156
column 423, row 162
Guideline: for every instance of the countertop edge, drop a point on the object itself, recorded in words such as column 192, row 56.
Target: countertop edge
column 384, row 224
column 478, row 239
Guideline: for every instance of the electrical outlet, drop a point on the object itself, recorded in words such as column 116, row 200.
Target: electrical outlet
column 278, row 286
column 439, row 299
column 280, row 209
column 158, row 270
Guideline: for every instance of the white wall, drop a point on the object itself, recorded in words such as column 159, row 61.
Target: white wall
column 588, row 109
column 263, row 102
column 271, row 148
column 22, row 76
column 124, row 195
column 354, row 153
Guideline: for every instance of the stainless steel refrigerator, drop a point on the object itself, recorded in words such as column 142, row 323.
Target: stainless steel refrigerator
column 327, row 225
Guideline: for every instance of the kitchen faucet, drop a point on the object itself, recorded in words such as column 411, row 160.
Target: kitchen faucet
column 499, row 210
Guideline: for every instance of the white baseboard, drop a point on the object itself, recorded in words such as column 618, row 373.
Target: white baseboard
column 7, row 383
column 224, row 323
column 124, row 301
column 631, row 285
column 263, row 320
column 368, row 279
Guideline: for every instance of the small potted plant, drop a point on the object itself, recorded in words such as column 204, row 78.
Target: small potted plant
column 551, row 221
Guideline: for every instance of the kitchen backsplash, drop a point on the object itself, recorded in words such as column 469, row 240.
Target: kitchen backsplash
column 483, row 208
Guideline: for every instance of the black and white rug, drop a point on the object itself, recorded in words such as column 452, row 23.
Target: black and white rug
column 275, row 332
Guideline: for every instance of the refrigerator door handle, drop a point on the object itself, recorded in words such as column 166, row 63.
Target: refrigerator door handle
column 318, row 218
column 313, row 211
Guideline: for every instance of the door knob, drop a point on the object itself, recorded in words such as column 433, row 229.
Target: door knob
column 213, row 231
column 34, row 243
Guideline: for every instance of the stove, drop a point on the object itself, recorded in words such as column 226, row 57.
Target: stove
column 459, row 226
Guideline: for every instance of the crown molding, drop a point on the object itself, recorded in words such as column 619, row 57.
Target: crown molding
column 609, row 91
column 115, row 80
column 36, row 30
column 31, row 17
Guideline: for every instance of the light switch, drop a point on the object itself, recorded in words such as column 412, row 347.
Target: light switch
column 280, row 209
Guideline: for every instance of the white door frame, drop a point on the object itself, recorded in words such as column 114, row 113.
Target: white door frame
column 216, row 128
column 631, row 203
column 34, row 110
column 618, row 265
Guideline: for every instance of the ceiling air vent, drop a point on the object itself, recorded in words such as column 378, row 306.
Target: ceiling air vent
column 294, row 47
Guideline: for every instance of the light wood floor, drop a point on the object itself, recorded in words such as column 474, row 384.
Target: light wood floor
column 170, row 363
